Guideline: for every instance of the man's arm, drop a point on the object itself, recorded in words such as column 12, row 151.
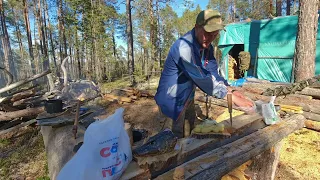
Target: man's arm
column 212, row 67
column 184, row 58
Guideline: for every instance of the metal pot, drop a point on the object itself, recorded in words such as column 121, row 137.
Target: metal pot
column 53, row 106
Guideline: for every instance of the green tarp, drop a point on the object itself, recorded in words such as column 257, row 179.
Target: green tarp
column 271, row 44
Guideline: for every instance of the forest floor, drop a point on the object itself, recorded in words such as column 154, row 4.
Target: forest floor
column 22, row 156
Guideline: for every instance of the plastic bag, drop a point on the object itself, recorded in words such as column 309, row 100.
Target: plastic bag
column 268, row 111
column 105, row 153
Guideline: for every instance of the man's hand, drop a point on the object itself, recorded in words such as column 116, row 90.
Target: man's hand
column 241, row 101
column 239, row 94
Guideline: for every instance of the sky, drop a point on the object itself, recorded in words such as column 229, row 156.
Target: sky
column 177, row 6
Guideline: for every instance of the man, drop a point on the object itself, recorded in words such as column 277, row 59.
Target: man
column 190, row 64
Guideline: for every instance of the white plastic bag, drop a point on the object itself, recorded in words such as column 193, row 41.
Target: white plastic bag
column 268, row 111
column 105, row 153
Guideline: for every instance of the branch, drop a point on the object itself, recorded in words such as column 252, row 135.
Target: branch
column 10, row 77
column 64, row 70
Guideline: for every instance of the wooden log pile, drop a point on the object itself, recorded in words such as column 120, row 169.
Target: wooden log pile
column 20, row 103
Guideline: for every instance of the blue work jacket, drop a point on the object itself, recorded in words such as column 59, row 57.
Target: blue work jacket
column 188, row 66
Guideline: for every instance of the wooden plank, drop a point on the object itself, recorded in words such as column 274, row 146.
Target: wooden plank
column 17, row 126
column 191, row 148
column 220, row 161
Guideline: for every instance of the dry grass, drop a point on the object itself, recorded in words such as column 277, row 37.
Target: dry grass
column 23, row 155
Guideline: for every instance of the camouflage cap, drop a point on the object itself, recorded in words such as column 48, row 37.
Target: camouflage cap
column 210, row 20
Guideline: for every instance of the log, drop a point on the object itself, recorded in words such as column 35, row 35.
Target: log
column 8, row 116
column 191, row 148
column 17, row 127
column 311, row 92
column 59, row 144
column 311, row 116
column 119, row 98
column 268, row 161
column 17, row 97
column 220, row 161
column 312, row 125
column 22, row 90
column 17, row 84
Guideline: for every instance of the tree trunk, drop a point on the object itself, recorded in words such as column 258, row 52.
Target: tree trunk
column 306, row 40
column 278, row 8
column 114, row 45
column 78, row 55
column 18, row 32
column 51, row 39
column 153, row 34
column 130, row 43
column 30, row 47
column 44, row 41
column 270, row 7
column 5, row 40
column 288, row 7
column 62, row 36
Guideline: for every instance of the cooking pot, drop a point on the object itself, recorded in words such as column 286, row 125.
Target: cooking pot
column 53, row 106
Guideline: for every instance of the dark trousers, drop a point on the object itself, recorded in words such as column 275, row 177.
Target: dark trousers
column 183, row 126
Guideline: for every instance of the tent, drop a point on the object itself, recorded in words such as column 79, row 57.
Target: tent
column 271, row 44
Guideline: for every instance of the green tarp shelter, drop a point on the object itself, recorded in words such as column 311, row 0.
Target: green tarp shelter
column 271, row 44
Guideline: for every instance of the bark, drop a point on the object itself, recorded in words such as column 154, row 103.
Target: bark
column 30, row 112
column 62, row 36
column 27, row 23
column 78, row 55
column 130, row 43
column 270, row 7
column 153, row 35
column 43, row 38
column 18, row 32
column 312, row 125
column 288, row 7
column 278, row 8
column 51, row 39
column 305, row 49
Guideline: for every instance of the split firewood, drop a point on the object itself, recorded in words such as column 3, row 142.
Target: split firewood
column 37, row 99
column 17, row 97
column 9, row 75
column 22, row 90
column 17, row 84
column 30, row 112
column 312, row 125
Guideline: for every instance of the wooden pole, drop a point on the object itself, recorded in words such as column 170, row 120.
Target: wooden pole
column 220, row 161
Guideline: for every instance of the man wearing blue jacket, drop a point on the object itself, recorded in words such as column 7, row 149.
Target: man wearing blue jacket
column 190, row 63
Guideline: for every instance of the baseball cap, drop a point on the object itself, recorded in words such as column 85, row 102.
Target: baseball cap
column 210, row 20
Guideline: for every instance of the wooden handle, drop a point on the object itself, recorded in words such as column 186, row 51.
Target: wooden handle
column 229, row 99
